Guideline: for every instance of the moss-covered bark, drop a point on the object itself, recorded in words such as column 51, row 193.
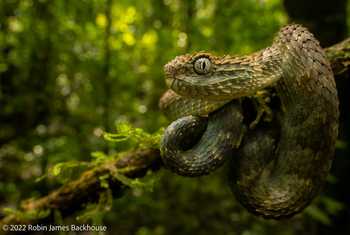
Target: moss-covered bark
column 339, row 56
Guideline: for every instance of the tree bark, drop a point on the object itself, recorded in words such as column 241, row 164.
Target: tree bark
column 71, row 197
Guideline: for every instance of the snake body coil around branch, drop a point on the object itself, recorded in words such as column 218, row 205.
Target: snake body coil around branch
column 278, row 167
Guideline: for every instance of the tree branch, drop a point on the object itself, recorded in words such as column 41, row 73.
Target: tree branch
column 339, row 56
column 72, row 196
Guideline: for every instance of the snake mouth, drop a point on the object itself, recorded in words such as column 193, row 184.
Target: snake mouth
column 169, row 82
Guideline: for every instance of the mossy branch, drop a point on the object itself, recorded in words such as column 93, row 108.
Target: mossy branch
column 72, row 196
column 339, row 56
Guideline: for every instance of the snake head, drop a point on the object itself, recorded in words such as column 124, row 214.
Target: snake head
column 205, row 76
column 196, row 68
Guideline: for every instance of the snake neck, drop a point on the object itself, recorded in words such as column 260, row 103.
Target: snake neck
column 305, row 71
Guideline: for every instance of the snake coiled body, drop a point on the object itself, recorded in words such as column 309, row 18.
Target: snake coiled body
column 279, row 166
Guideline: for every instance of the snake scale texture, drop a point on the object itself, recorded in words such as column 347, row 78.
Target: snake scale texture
column 279, row 164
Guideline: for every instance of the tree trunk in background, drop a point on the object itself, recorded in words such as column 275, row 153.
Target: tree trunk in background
column 106, row 68
column 327, row 20
column 223, row 18
column 32, row 88
column 7, row 86
column 38, row 85
column 189, row 9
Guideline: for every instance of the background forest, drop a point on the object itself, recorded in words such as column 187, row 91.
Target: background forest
column 71, row 70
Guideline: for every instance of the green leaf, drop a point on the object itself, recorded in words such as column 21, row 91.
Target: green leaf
column 66, row 171
column 146, row 184
column 331, row 205
column 135, row 136
column 104, row 181
column 318, row 215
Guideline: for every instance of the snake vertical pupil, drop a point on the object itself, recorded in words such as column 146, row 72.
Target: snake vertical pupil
column 202, row 65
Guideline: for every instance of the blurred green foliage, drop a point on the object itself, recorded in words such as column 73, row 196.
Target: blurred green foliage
column 71, row 70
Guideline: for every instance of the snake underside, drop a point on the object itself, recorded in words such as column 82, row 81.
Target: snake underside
column 277, row 166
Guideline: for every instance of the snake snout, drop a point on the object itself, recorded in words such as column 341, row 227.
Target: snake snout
column 176, row 66
column 169, row 70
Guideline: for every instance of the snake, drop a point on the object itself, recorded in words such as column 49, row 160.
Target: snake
column 277, row 166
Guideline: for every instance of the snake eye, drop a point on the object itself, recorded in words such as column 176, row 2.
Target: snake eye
column 202, row 65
